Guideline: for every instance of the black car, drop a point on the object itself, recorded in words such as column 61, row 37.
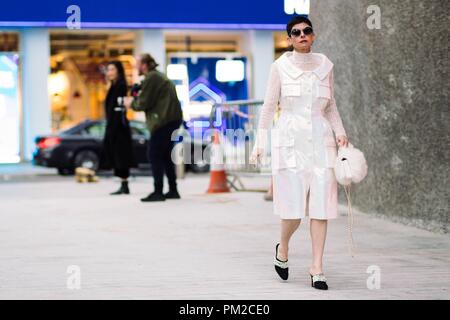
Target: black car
column 81, row 146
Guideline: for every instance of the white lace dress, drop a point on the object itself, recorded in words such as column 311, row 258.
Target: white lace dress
column 303, row 148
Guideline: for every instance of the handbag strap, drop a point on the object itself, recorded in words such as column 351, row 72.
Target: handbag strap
column 350, row 219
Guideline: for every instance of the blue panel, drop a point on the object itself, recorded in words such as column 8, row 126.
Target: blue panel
column 203, row 86
column 148, row 13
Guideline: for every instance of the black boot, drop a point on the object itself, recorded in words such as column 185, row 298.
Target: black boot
column 172, row 194
column 155, row 196
column 123, row 189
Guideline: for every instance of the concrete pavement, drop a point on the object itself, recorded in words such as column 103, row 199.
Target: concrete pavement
column 200, row 247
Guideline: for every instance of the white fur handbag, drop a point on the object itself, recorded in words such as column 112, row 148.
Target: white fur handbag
column 350, row 167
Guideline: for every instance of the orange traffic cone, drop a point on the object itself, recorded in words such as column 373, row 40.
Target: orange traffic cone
column 218, row 178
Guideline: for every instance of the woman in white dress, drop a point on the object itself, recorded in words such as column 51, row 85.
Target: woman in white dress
column 303, row 148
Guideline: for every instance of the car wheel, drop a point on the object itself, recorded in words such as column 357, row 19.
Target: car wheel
column 65, row 171
column 87, row 159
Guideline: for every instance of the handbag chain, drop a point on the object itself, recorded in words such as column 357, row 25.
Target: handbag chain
column 350, row 219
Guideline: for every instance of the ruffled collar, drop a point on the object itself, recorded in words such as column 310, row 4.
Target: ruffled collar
column 294, row 71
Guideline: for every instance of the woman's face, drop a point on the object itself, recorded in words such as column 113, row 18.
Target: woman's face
column 300, row 41
column 111, row 72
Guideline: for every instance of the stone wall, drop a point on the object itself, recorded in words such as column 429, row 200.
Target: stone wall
column 392, row 93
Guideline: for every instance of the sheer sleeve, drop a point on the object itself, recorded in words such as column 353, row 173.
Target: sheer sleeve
column 332, row 114
column 269, row 107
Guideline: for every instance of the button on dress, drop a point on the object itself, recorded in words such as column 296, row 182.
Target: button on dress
column 303, row 148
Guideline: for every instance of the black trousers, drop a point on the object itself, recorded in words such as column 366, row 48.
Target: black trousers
column 122, row 173
column 160, row 150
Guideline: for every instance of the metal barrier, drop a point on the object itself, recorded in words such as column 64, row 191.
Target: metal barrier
column 237, row 122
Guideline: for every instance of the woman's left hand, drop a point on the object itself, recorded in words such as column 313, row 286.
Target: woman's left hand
column 128, row 101
column 342, row 141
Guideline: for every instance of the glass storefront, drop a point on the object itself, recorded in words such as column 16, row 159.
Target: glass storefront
column 218, row 67
column 77, row 85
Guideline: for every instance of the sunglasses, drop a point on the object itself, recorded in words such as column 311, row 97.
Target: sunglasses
column 297, row 32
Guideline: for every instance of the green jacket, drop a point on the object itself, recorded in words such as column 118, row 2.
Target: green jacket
column 158, row 99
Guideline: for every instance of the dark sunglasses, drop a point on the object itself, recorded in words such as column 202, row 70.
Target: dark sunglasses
column 297, row 32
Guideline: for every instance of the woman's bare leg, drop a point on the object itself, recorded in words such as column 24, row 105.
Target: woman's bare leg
column 318, row 236
column 268, row 196
column 288, row 227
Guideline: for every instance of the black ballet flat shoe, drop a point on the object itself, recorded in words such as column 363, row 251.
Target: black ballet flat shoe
column 319, row 281
column 281, row 267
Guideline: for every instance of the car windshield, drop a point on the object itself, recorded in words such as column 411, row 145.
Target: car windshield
column 70, row 130
column 97, row 129
column 78, row 129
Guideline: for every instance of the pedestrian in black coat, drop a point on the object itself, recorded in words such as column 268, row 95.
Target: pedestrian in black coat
column 117, row 143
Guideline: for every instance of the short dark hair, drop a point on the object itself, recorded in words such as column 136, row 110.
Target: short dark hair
column 149, row 61
column 296, row 20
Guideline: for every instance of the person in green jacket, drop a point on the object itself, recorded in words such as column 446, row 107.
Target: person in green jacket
column 157, row 97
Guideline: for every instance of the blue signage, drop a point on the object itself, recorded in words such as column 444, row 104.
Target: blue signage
column 213, row 14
